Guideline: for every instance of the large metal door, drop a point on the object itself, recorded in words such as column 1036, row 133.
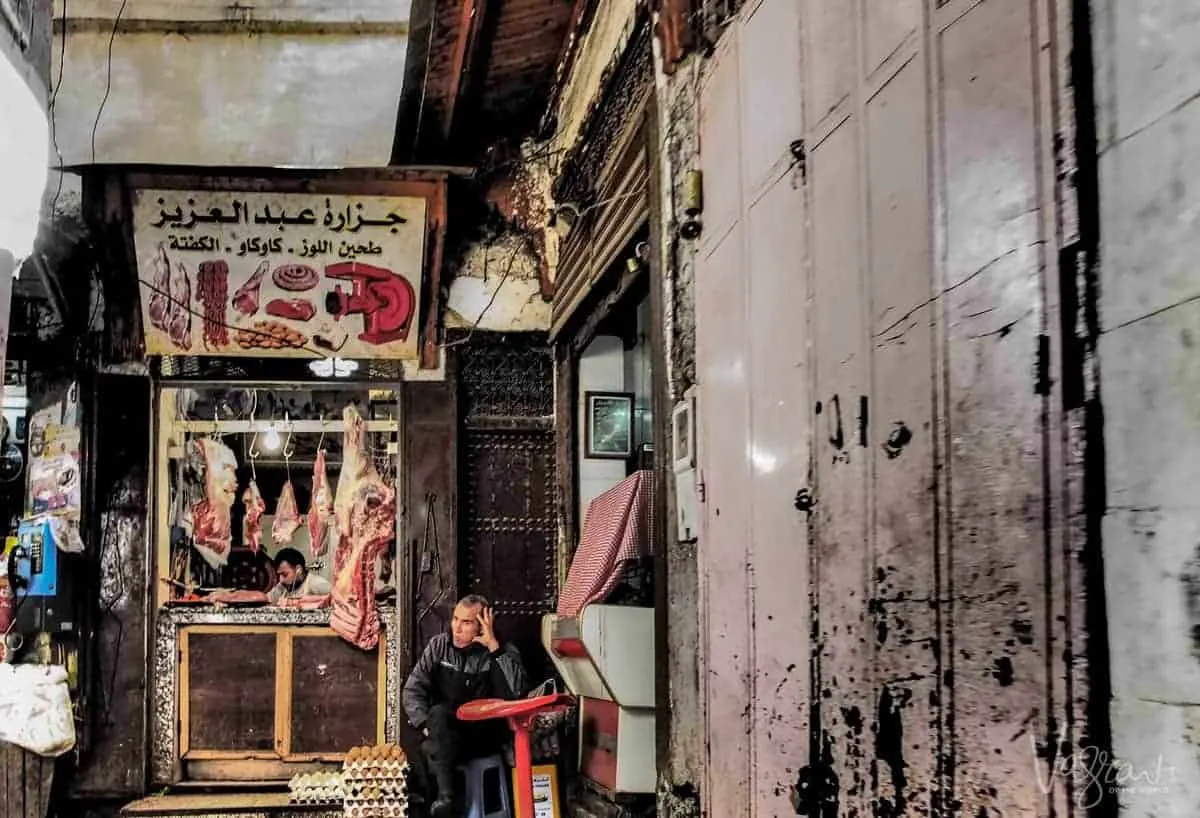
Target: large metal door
column 752, row 352
column 885, row 578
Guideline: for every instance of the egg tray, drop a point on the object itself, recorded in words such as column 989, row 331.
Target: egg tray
column 373, row 769
column 381, row 781
column 375, row 794
column 302, row 801
column 375, row 811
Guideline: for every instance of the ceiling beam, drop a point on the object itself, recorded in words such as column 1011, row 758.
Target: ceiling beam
column 464, row 66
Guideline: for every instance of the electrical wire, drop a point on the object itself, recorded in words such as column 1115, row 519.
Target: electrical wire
column 512, row 258
column 62, row 64
column 108, row 74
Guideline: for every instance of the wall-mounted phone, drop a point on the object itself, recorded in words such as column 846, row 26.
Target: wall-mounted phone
column 34, row 567
column 34, row 562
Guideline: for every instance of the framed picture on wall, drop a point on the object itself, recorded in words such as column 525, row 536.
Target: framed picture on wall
column 608, row 425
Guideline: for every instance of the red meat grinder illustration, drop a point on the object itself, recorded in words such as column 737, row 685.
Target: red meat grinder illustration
column 385, row 300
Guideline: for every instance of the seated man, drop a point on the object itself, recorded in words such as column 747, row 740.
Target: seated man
column 465, row 664
column 294, row 580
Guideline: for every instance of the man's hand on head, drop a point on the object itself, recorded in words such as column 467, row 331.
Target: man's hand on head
column 487, row 634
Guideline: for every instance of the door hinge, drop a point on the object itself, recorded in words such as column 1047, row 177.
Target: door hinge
column 700, row 487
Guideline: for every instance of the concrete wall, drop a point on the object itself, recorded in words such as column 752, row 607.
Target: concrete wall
column 497, row 286
column 639, row 376
column 501, row 278
column 1147, row 56
column 309, row 85
column 682, row 768
column 601, row 369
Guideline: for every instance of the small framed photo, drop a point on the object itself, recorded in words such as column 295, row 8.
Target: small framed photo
column 608, row 425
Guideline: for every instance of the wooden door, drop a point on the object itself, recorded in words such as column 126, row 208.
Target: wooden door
column 509, row 523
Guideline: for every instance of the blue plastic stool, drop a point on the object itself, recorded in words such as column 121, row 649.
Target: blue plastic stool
column 483, row 783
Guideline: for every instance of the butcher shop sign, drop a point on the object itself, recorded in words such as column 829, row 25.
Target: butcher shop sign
column 273, row 274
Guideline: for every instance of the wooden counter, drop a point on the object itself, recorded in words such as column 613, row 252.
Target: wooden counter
column 264, row 693
column 239, row 805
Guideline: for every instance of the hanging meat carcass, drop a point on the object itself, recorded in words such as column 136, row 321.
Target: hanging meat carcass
column 216, row 466
column 287, row 517
column 365, row 515
column 320, row 512
column 255, row 507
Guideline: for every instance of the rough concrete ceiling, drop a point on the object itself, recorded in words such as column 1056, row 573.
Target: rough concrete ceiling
column 276, row 83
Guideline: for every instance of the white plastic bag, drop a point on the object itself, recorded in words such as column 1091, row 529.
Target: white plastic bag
column 35, row 709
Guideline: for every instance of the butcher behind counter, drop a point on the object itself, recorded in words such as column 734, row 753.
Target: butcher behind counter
column 358, row 522
column 299, row 588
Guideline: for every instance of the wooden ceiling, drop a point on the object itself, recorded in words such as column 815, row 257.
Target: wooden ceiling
column 478, row 73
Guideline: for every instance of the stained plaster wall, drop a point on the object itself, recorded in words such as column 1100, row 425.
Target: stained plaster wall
column 682, row 768
column 501, row 279
column 1147, row 55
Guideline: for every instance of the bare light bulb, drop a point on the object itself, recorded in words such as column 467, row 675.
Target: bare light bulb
column 271, row 441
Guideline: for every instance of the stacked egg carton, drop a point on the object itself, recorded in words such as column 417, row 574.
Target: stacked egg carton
column 376, row 782
column 317, row 789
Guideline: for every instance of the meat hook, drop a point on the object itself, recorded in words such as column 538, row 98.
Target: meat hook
column 288, row 449
column 254, row 452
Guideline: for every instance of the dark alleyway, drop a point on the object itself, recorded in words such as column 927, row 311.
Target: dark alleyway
column 777, row 407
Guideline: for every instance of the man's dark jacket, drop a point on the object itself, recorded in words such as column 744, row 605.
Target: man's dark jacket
column 454, row 676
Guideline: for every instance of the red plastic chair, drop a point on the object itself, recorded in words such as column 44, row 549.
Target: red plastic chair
column 520, row 714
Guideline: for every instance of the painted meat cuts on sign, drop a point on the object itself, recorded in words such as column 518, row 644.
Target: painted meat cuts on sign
column 212, row 290
column 365, row 514
column 179, row 312
column 320, row 512
column 245, row 300
column 160, row 290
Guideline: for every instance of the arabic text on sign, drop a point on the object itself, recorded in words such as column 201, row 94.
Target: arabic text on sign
column 203, row 244
column 351, row 220
column 260, row 247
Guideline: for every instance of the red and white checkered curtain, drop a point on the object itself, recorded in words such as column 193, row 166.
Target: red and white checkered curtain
column 619, row 528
